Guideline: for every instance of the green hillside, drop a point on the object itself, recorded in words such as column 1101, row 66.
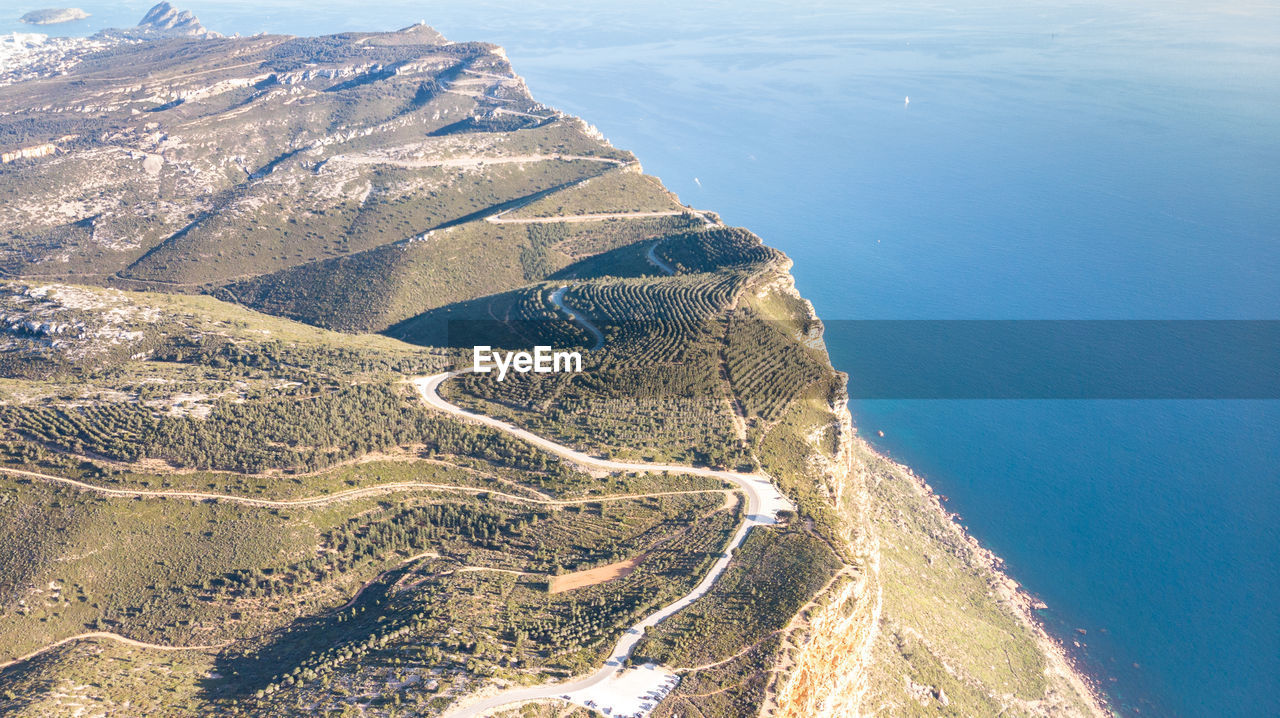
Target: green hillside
column 234, row 272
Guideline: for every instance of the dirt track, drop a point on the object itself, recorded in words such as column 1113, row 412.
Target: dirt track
column 110, row 637
column 348, row 495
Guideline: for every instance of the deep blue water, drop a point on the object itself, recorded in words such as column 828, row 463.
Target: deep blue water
column 1079, row 160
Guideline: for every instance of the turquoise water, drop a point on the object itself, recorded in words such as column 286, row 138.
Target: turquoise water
column 1075, row 160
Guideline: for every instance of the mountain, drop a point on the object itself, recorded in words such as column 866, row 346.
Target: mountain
column 238, row 476
column 163, row 20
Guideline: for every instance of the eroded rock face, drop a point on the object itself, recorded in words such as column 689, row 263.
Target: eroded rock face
column 33, row 152
column 166, row 20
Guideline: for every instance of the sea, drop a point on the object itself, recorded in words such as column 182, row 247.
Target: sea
column 1006, row 160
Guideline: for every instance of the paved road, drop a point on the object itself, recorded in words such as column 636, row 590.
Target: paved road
column 759, row 489
column 763, row 502
column 655, row 261
column 557, row 298
column 575, row 218
column 471, row 162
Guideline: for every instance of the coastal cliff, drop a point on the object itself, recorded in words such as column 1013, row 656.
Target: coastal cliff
column 922, row 620
column 304, row 210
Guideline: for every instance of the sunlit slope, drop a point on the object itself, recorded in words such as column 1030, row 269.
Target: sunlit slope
column 220, row 493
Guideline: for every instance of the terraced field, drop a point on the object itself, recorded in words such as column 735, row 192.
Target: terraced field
column 713, row 248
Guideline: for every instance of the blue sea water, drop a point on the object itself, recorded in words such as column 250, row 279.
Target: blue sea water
column 1069, row 160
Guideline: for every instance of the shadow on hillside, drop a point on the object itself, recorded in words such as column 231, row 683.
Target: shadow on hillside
column 239, row 673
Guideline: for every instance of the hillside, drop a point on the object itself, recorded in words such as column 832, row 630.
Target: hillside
column 235, row 478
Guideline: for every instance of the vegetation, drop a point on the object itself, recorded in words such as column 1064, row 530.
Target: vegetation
column 709, row 249
column 520, row 318
column 547, row 709
column 585, row 240
column 775, row 572
column 787, row 450
column 732, row 688
column 767, row 367
column 177, row 571
column 194, row 264
column 309, row 428
column 401, row 203
column 113, row 678
column 132, row 567
column 682, row 374
column 939, row 585
column 619, row 191
column 400, row 624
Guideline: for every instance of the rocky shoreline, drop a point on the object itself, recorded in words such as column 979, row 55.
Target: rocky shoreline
column 1011, row 592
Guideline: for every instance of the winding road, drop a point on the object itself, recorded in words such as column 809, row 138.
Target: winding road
column 652, row 256
column 557, row 298
column 760, row 491
column 471, row 162
column 578, row 218
column 763, row 503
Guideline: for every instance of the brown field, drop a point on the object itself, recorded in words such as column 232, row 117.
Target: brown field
column 590, row 577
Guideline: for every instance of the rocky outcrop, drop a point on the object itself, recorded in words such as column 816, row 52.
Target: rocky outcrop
column 34, row 152
column 30, row 55
column 164, row 20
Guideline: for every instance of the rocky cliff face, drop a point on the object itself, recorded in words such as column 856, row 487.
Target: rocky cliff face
column 165, row 20
column 833, row 659
column 28, row 153
column 921, row 621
